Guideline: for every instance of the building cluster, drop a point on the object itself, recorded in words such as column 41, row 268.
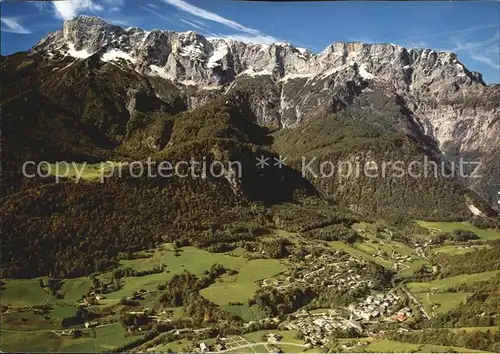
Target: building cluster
column 316, row 329
column 263, row 322
column 336, row 270
column 379, row 306
column 357, row 318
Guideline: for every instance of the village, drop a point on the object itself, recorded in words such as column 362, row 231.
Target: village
column 370, row 309
column 355, row 320
column 316, row 329
column 365, row 317
column 336, row 269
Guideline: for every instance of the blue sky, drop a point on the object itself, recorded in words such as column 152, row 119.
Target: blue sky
column 471, row 29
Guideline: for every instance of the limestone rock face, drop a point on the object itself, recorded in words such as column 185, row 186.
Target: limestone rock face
column 436, row 97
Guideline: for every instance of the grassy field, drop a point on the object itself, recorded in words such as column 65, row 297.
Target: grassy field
column 197, row 261
column 85, row 171
column 457, row 250
column 384, row 345
column 30, row 342
column 445, row 283
column 255, row 349
column 176, row 346
column 445, row 301
column 247, row 313
column 27, row 292
column 21, row 294
column 435, row 292
column 484, row 234
column 24, row 292
column 111, row 336
column 28, row 321
column 477, row 329
column 80, row 345
column 241, row 287
column 107, row 337
column 355, row 252
column 378, row 249
column 73, row 289
column 288, row 336
column 367, row 250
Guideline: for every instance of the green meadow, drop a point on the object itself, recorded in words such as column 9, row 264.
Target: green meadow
column 24, row 292
column 458, row 250
column 236, row 288
column 241, row 287
column 107, row 337
column 441, row 302
column 85, row 171
column 356, row 252
column 445, row 283
column 45, row 341
column 441, row 226
column 288, row 336
column 368, row 250
column 175, row 347
column 387, row 346
column 434, row 296
column 477, row 329
column 247, row 313
column 20, row 294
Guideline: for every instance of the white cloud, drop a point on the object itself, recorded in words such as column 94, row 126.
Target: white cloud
column 67, row 10
column 462, row 31
column 485, row 51
column 153, row 6
column 251, row 34
column 150, row 10
column 259, row 39
column 486, row 58
column 194, row 25
column 114, row 2
column 202, row 23
column 417, row 44
column 362, row 40
column 12, row 25
column 40, row 5
column 117, row 21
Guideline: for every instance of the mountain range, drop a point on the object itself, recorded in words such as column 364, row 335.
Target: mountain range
column 93, row 92
column 441, row 99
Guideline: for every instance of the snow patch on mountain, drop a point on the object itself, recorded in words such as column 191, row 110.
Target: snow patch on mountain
column 253, row 73
column 364, row 73
column 296, row 76
column 193, row 51
column 115, row 54
column 80, row 54
column 158, row 71
column 217, row 55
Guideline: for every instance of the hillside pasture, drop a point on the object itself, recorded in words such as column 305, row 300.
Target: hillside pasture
column 444, row 226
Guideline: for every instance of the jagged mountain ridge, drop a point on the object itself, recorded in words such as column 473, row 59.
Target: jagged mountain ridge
column 190, row 58
column 441, row 99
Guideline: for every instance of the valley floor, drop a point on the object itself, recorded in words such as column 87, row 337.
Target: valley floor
column 37, row 316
